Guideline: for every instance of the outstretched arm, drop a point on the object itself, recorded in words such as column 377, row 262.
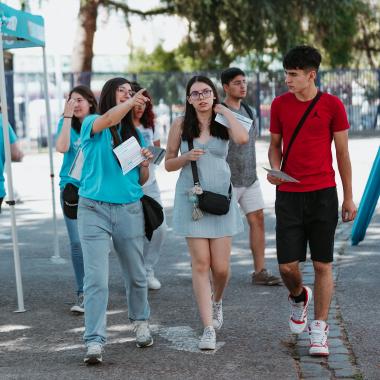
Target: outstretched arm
column 115, row 114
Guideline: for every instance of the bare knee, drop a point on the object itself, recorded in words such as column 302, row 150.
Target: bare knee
column 322, row 268
column 256, row 218
column 288, row 270
column 221, row 273
column 200, row 266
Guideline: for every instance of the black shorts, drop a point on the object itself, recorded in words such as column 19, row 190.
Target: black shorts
column 301, row 218
column 1, row 201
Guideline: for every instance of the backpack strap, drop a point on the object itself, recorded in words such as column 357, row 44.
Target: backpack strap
column 248, row 109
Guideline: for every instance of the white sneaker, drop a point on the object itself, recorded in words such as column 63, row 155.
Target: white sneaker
column 78, row 308
column 153, row 283
column 143, row 335
column 298, row 312
column 318, row 331
column 217, row 311
column 208, row 339
column 94, row 353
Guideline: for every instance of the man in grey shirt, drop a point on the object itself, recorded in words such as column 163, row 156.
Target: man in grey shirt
column 242, row 161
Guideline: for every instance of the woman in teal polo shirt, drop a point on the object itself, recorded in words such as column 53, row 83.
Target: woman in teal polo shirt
column 16, row 155
column 80, row 103
column 109, row 206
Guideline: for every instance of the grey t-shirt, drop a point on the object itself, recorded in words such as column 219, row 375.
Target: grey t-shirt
column 242, row 158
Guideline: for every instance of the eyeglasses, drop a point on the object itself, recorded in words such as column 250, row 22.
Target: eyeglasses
column 239, row 83
column 196, row 95
column 125, row 91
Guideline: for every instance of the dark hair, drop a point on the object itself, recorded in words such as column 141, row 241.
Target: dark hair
column 190, row 127
column 147, row 118
column 90, row 97
column 228, row 74
column 302, row 57
column 107, row 101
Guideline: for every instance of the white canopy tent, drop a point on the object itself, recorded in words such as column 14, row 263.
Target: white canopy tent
column 20, row 30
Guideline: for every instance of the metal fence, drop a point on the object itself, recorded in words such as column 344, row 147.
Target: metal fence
column 358, row 89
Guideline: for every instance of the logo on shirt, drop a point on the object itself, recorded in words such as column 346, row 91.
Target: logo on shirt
column 315, row 115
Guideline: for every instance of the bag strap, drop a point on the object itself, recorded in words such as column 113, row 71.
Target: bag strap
column 248, row 110
column 194, row 170
column 246, row 107
column 299, row 125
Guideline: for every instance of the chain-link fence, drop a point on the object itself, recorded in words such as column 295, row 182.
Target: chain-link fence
column 358, row 89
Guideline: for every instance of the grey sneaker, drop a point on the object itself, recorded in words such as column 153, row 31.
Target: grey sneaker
column 78, row 308
column 208, row 339
column 94, row 353
column 217, row 312
column 265, row 277
column 153, row 283
column 143, row 335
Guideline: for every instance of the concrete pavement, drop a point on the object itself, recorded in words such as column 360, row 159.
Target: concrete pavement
column 255, row 343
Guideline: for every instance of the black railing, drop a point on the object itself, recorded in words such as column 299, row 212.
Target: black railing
column 358, row 89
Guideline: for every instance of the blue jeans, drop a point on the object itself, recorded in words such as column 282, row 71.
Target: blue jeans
column 97, row 222
column 76, row 250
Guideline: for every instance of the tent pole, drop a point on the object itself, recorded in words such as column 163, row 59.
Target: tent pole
column 56, row 258
column 11, row 202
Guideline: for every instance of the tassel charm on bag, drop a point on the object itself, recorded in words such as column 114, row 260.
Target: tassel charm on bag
column 193, row 192
column 197, row 212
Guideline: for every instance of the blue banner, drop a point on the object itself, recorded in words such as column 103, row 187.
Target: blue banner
column 21, row 29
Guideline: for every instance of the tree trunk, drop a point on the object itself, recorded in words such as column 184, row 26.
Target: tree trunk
column 83, row 46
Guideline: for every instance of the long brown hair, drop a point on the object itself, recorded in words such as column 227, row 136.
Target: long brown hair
column 107, row 101
column 90, row 97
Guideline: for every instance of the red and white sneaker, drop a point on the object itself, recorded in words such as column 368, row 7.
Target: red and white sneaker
column 298, row 312
column 318, row 331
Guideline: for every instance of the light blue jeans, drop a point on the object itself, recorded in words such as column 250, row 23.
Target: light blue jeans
column 76, row 249
column 152, row 248
column 97, row 222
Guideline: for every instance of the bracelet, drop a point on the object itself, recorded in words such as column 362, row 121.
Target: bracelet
column 67, row 117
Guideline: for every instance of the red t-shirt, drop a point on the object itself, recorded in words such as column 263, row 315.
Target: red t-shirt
column 310, row 157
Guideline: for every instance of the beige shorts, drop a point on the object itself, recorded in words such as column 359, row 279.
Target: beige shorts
column 250, row 198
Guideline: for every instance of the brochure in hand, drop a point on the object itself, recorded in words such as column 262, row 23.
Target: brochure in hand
column 158, row 154
column 77, row 165
column 129, row 154
column 281, row 175
column 246, row 122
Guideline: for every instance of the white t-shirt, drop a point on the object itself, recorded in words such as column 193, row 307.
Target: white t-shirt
column 149, row 136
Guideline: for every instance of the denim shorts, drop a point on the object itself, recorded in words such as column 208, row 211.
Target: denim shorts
column 306, row 218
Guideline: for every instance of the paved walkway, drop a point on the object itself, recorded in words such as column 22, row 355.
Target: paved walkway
column 255, row 343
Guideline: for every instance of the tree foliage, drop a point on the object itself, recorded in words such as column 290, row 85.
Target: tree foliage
column 220, row 31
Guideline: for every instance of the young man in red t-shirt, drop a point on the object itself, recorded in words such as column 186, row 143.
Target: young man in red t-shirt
column 307, row 211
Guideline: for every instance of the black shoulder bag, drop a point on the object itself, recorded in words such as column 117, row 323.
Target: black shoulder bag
column 153, row 211
column 210, row 202
column 299, row 125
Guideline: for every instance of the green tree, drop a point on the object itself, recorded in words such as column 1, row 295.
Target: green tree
column 86, row 28
column 222, row 30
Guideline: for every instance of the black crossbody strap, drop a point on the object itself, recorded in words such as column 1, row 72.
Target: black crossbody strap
column 299, row 125
column 194, row 170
